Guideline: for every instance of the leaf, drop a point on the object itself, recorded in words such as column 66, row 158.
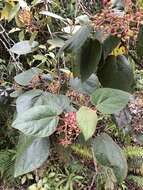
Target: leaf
column 36, row 98
column 60, row 101
column 21, row 35
column 87, row 121
column 24, row 47
column 139, row 139
column 117, row 73
column 139, row 44
column 35, row 2
column 56, row 42
column 38, row 121
column 77, row 40
column 23, row 180
column 108, row 153
column 23, row 143
column 27, row 100
column 25, row 77
column 23, row 4
column 32, row 38
column 13, row 12
column 82, row 19
column 87, row 87
column 88, row 57
column 32, row 157
column 109, row 44
column 109, row 101
column 5, row 12
column 123, row 119
column 47, row 13
column 118, row 4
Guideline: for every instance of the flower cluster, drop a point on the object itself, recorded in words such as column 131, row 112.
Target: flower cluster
column 124, row 24
column 136, row 109
column 68, row 130
column 78, row 98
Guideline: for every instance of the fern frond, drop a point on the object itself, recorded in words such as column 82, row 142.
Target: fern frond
column 135, row 165
column 132, row 151
column 105, row 178
column 7, row 164
column 138, row 180
column 82, row 150
column 134, row 156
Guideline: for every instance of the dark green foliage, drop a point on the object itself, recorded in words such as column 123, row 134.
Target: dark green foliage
column 86, row 87
column 109, row 154
column 117, row 73
column 43, row 108
column 139, row 45
column 109, row 44
column 109, row 101
column 87, row 51
column 89, row 57
column 77, row 40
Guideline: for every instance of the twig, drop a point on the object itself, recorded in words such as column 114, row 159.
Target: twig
column 92, row 183
column 15, row 59
column 76, row 7
column 95, row 167
column 84, row 9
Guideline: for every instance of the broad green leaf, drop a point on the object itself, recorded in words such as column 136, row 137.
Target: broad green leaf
column 38, row 121
column 109, row 45
column 37, row 97
column 26, row 76
column 58, row 101
column 27, row 100
column 32, row 157
column 24, row 47
column 88, row 58
column 109, row 101
column 123, row 119
column 108, row 153
column 77, row 40
column 87, row 121
column 139, row 45
column 23, row 143
column 117, row 73
column 87, row 87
